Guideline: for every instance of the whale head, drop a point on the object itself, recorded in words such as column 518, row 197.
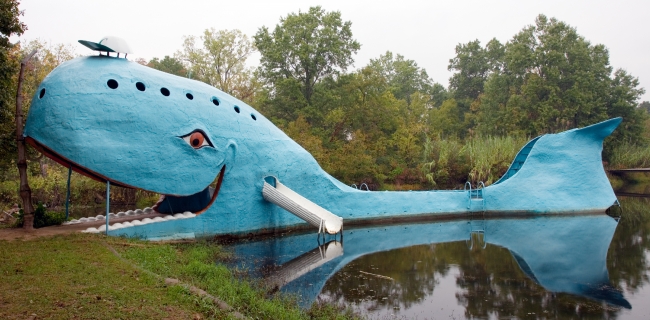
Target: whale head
column 118, row 121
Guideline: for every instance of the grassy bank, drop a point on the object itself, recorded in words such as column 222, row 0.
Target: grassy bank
column 79, row 276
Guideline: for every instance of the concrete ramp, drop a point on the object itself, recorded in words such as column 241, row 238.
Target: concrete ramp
column 277, row 193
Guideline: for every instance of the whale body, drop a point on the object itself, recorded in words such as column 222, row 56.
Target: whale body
column 115, row 120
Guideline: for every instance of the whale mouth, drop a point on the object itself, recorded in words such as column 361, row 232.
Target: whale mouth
column 168, row 204
column 196, row 203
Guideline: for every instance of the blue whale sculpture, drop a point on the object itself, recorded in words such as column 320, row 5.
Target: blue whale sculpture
column 115, row 120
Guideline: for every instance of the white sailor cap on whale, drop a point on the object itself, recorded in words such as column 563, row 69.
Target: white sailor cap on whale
column 108, row 44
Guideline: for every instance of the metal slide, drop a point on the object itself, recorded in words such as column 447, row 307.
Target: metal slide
column 317, row 216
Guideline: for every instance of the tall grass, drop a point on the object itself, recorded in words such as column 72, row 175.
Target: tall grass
column 450, row 163
column 628, row 155
column 444, row 162
column 490, row 157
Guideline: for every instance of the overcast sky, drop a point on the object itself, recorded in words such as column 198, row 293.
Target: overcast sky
column 424, row 31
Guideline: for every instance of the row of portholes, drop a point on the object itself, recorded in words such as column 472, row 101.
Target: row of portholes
column 112, row 83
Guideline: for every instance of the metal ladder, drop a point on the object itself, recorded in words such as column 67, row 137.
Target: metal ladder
column 475, row 195
column 354, row 185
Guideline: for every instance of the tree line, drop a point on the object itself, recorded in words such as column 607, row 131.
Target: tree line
column 388, row 124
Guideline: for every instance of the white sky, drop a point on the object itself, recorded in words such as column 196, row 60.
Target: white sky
column 424, row 31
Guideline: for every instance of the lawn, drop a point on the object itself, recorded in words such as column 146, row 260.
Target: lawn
column 94, row 277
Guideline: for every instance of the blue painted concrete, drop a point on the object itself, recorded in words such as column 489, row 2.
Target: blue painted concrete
column 561, row 253
column 135, row 138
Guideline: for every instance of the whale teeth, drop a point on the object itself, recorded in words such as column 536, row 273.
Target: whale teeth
column 116, row 226
column 127, row 224
column 91, row 230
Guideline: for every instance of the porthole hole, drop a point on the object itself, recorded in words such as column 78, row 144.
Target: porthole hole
column 215, row 101
column 140, row 86
column 164, row 91
column 112, row 83
column 237, row 109
column 189, row 96
column 40, row 95
column 253, row 116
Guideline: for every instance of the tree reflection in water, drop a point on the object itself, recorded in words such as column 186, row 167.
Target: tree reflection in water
column 627, row 258
column 490, row 282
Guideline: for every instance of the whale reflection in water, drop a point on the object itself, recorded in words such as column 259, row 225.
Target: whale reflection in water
column 563, row 254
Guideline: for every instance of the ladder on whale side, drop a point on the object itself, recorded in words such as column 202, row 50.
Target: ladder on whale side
column 279, row 194
column 475, row 195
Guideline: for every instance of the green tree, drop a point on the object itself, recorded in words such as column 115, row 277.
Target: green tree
column 403, row 76
column 473, row 64
column 439, row 94
column 548, row 78
column 624, row 95
column 446, row 120
column 303, row 50
column 645, row 106
column 169, row 65
column 9, row 64
column 220, row 61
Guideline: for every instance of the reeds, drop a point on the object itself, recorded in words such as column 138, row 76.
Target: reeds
column 490, row 157
column 449, row 163
column 628, row 155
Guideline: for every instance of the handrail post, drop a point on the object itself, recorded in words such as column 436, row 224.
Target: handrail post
column 67, row 195
column 469, row 199
column 108, row 203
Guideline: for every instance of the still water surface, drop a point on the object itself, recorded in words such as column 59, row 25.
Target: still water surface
column 586, row 267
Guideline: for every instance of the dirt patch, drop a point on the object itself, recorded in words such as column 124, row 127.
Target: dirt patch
column 22, row 234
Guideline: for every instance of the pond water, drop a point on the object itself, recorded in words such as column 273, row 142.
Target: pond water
column 585, row 266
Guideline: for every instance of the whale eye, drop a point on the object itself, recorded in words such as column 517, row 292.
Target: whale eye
column 197, row 139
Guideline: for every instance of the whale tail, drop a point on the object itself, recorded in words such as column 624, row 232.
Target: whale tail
column 557, row 173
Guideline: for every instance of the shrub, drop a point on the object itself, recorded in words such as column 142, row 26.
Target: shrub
column 42, row 217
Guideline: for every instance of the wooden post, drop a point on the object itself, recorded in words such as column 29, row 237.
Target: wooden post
column 25, row 191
